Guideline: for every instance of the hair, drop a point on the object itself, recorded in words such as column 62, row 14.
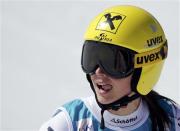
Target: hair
column 159, row 117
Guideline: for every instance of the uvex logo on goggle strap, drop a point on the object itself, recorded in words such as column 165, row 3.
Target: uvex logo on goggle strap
column 110, row 22
column 151, row 57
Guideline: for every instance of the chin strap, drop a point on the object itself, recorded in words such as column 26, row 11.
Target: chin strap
column 115, row 105
column 102, row 126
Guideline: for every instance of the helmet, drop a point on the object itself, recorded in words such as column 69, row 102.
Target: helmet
column 135, row 29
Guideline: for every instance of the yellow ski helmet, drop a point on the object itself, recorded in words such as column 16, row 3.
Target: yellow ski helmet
column 135, row 29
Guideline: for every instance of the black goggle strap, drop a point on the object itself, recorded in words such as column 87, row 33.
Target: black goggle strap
column 114, row 106
column 151, row 57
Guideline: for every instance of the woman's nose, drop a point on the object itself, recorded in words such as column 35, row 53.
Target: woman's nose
column 99, row 71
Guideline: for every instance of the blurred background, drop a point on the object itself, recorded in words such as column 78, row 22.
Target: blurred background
column 40, row 43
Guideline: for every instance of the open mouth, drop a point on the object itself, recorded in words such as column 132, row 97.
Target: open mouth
column 104, row 88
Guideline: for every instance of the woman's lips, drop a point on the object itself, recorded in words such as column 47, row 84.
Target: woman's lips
column 104, row 88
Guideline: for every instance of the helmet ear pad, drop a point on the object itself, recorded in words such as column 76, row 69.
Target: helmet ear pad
column 135, row 79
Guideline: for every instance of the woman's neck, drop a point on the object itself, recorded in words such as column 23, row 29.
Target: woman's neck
column 126, row 110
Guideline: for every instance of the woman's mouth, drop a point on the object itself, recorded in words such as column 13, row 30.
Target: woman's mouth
column 104, row 88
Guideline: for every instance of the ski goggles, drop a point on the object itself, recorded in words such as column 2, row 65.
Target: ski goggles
column 113, row 60
column 117, row 61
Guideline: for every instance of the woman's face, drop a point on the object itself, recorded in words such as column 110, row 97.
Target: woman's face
column 109, row 89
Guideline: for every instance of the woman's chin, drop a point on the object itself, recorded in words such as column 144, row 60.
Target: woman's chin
column 105, row 100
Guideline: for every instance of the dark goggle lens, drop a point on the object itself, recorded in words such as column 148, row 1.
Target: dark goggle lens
column 114, row 60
